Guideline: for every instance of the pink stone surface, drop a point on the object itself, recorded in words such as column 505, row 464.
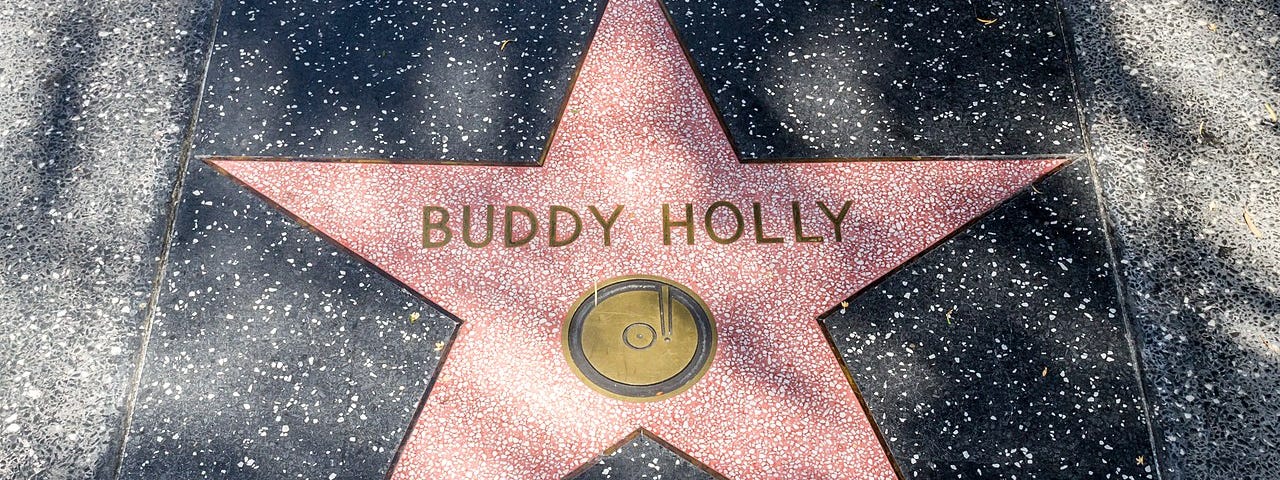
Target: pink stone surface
column 639, row 132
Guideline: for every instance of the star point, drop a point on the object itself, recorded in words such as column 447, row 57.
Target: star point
column 639, row 134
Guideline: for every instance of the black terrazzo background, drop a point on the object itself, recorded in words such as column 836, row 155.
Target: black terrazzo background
column 643, row 459
column 273, row 353
column 1002, row 352
column 885, row 78
column 460, row 80
column 96, row 97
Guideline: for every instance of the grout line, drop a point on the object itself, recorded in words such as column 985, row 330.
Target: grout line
column 333, row 242
column 1108, row 232
column 175, row 196
column 185, row 157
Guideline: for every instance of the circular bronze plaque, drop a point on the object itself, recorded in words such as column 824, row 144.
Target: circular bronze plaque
column 639, row 338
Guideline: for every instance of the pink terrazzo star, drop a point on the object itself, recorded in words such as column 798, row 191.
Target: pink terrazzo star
column 639, row 132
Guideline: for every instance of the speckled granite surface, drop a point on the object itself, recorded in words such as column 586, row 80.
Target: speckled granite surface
column 887, row 78
column 97, row 98
column 641, row 139
column 275, row 354
column 1003, row 351
column 643, row 458
column 1180, row 99
column 451, row 80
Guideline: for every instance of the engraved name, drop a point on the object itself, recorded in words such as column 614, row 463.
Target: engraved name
column 722, row 222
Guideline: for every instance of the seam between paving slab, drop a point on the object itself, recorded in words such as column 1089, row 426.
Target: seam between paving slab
column 1108, row 234
column 171, row 212
column 188, row 145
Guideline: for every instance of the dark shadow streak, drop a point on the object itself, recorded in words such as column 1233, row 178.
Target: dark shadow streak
column 175, row 197
column 1159, row 124
column 958, row 231
column 457, row 322
column 541, row 161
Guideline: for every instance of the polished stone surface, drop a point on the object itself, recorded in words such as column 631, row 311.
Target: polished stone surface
column 450, row 80
column 640, row 138
column 95, row 98
column 1002, row 352
column 1181, row 99
column 643, row 458
column 890, row 78
column 275, row 354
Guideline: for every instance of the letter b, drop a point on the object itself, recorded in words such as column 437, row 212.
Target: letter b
column 441, row 225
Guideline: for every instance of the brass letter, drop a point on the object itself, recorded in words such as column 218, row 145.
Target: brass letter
column 606, row 224
column 667, row 223
column 551, row 228
column 441, row 225
column 509, row 239
column 836, row 220
column 760, row 238
column 466, row 227
column 737, row 217
column 795, row 220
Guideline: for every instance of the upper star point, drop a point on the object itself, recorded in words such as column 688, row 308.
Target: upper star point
column 643, row 165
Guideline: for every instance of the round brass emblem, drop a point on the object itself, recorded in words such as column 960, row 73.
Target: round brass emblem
column 639, row 338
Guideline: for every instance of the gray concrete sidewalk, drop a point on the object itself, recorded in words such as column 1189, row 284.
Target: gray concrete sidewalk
column 96, row 98
column 1181, row 100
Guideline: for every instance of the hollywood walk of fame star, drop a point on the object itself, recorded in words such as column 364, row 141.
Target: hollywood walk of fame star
column 639, row 132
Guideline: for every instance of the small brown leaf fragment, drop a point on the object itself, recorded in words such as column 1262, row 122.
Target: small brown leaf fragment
column 1207, row 137
column 1271, row 346
column 439, row 346
column 1045, row 372
column 1253, row 227
column 987, row 21
column 949, row 312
